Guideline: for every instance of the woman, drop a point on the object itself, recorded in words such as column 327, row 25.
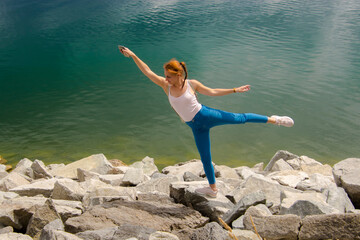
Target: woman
column 182, row 97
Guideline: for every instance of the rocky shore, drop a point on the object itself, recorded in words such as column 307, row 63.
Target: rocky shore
column 292, row 197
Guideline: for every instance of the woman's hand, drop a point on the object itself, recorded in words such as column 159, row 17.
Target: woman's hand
column 244, row 88
column 125, row 51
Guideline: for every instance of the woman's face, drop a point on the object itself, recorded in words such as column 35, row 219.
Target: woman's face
column 172, row 78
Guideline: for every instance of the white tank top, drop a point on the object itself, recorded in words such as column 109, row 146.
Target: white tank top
column 187, row 105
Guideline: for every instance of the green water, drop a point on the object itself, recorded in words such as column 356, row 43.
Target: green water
column 66, row 92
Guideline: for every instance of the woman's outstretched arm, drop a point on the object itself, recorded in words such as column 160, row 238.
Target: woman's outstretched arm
column 201, row 88
column 144, row 68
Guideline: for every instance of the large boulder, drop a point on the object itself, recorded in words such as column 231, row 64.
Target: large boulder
column 133, row 177
column 167, row 217
column 157, row 185
column 178, row 170
column 227, row 172
column 211, row 231
column 147, row 165
column 332, row 226
column 346, row 174
column 44, row 187
column 281, row 154
column 68, row 189
column 290, row 178
column 14, row 236
column 24, row 167
column 42, row 216
column 40, row 170
column 95, row 163
column 12, row 180
column 184, row 192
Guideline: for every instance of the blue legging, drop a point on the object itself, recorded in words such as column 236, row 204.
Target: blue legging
column 207, row 118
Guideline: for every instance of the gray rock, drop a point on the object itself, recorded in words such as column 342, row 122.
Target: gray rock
column 227, row 172
column 3, row 174
column 68, row 189
column 316, row 182
column 160, row 217
column 193, row 166
column 11, row 181
column 7, row 195
column 347, row 176
column 332, row 226
column 211, row 231
column 270, row 188
column 95, row 163
column 338, row 198
column 56, row 234
column 190, row 177
column 304, row 204
column 154, row 197
column 40, row 170
column 159, row 235
column 43, row 187
column 103, row 234
column 2, row 168
column 245, row 235
column 42, row 216
column 274, row 227
column 244, row 172
column 257, row 168
column 133, row 177
column 238, row 223
column 281, row 165
column 290, row 178
column 108, row 193
column 68, row 209
column 54, row 166
column 184, row 192
column 112, row 179
column 84, row 175
column 7, row 229
column 14, row 236
column 46, row 232
column 281, row 154
column 127, row 231
column 24, row 167
column 240, row 208
column 157, row 185
column 147, row 165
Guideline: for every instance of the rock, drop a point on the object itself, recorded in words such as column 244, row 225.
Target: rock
column 211, row 231
column 44, row 188
column 238, row 223
column 46, row 232
column 270, row 188
column 93, row 184
column 184, row 192
column 42, row 216
column 14, row 236
column 11, row 181
column 2, row 160
column 281, row 165
column 68, row 209
column 117, row 163
column 290, row 178
column 108, row 193
column 274, row 227
column 165, row 217
column 281, row 154
column 325, row 170
column 7, row 229
column 56, row 234
column 257, row 168
column 347, row 176
column 159, row 185
column 67, row 189
column 244, row 172
column 147, row 165
column 240, row 208
column 227, row 172
column 54, row 166
column 154, row 197
column 337, row 198
column 316, row 182
column 123, row 232
column 40, row 170
column 193, row 166
column 304, row 204
column 112, row 179
column 24, row 167
column 245, row 235
column 95, row 163
column 332, row 226
column 84, row 175
column 2, row 168
column 163, row 235
column 133, row 177
column 7, row 195
column 190, row 177
column 3, row 174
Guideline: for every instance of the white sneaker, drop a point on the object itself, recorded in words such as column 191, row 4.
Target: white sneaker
column 283, row 121
column 206, row 191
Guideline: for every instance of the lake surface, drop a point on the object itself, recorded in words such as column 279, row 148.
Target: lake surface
column 66, row 92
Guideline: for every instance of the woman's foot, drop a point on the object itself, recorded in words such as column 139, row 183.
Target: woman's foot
column 206, row 191
column 283, row 121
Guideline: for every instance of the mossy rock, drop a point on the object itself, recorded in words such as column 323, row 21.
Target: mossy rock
column 2, row 160
column 8, row 167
